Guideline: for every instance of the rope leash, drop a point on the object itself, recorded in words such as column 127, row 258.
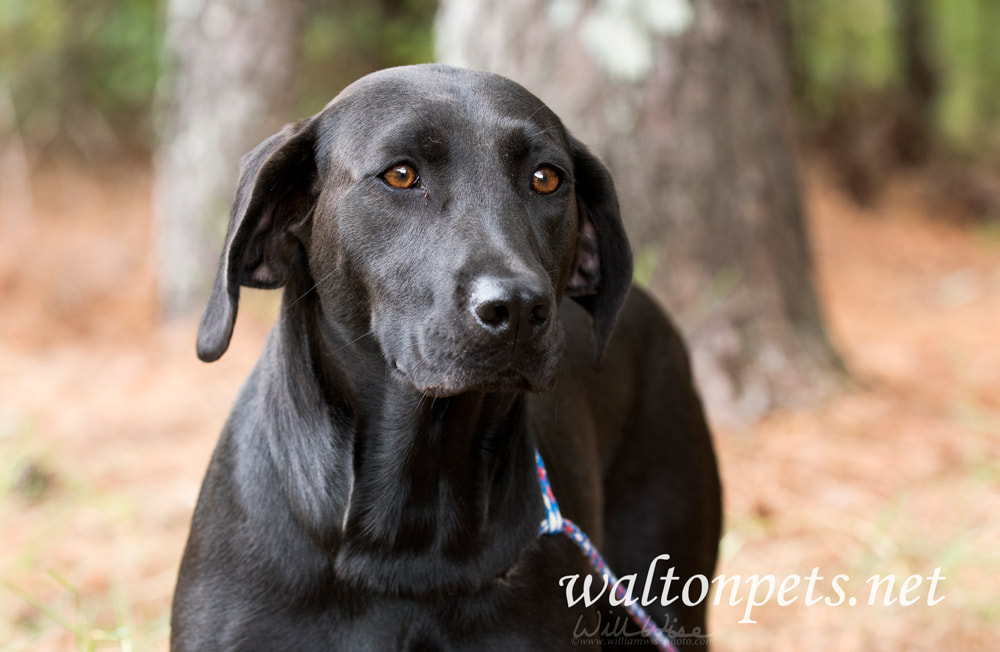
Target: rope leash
column 554, row 523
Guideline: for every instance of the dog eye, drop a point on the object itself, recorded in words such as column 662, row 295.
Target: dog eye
column 401, row 176
column 545, row 180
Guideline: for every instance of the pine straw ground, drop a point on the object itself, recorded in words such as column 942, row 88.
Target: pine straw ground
column 107, row 423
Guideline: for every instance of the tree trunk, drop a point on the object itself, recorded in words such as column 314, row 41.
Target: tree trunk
column 913, row 131
column 688, row 103
column 17, row 209
column 229, row 66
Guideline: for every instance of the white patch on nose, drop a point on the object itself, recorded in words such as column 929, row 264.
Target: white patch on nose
column 486, row 289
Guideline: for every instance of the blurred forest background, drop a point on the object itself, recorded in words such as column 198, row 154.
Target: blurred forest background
column 83, row 76
column 893, row 174
column 80, row 79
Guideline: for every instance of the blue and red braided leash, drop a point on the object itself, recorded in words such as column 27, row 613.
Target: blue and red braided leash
column 554, row 523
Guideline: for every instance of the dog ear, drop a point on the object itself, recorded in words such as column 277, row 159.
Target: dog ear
column 275, row 193
column 602, row 272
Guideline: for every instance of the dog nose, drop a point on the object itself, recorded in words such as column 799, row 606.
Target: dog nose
column 511, row 309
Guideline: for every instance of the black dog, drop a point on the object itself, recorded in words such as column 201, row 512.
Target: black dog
column 375, row 486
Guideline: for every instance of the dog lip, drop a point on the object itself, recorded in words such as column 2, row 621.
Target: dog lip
column 448, row 369
column 508, row 379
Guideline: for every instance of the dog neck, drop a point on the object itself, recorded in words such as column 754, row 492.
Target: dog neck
column 412, row 494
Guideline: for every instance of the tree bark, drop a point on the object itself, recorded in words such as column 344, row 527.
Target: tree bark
column 17, row 208
column 688, row 103
column 913, row 132
column 226, row 86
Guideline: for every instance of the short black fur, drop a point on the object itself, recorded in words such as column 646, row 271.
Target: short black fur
column 374, row 487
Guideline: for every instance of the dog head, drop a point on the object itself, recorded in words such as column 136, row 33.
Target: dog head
column 445, row 211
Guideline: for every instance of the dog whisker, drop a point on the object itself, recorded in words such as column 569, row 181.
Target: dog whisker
column 354, row 341
column 314, row 286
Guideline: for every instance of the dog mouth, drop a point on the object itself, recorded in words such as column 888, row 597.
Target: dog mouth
column 440, row 360
column 459, row 376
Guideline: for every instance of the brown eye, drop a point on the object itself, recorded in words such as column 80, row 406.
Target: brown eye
column 401, row 176
column 545, row 180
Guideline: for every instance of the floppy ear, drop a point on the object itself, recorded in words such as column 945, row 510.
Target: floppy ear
column 602, row 272
column 275, row 193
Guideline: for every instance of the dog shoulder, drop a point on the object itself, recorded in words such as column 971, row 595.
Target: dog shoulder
column 646, row 329
column 644, row 337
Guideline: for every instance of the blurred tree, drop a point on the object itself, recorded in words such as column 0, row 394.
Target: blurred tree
column 16, row 203
column 868, row 88
column 346, row 39
column 81, row 74
column 227, row 85
column 913, row 134
column 884, row 84
column 237, row 70
column 687, row 101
